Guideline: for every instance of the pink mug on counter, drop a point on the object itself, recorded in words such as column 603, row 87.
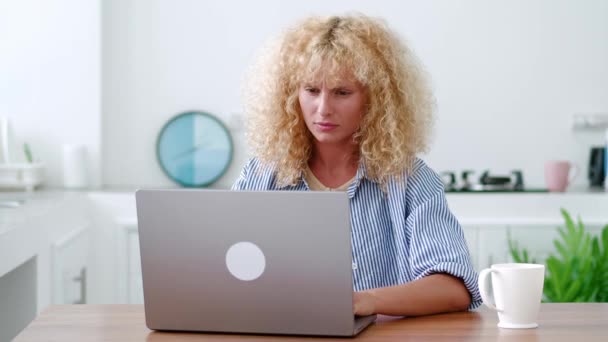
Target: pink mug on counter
column 559, row 174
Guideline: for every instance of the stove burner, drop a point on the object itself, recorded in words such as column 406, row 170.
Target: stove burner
column 487, row 182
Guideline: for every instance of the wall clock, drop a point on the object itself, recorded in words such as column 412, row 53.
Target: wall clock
column 194, row 149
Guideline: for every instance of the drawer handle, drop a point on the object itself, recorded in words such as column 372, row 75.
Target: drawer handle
column 82, row 279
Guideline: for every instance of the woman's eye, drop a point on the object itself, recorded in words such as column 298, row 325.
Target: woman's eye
column 343, row 92
column 312, row 90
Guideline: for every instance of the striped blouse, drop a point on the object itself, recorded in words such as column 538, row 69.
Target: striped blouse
column 400, row 235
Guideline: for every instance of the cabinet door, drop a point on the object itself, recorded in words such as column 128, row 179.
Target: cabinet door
column 69, row 267
column 135, row 293
column 471, row 236
column 539, row 239
column 536, row 239
column 492, row 246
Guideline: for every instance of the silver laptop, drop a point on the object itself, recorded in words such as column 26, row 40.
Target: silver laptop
column 276, row 262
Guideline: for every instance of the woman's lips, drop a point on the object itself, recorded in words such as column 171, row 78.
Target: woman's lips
column 326, row 126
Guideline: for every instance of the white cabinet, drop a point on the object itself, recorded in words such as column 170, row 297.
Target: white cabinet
column 487, row 220
column 69, row 269
column 135, row 294
column 114, row 222
column 50, row 228
column 539, row 240
column 471, row 235
column 491, row 245
column 531, row 220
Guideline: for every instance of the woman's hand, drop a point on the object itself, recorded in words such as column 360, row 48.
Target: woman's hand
column 363, row 303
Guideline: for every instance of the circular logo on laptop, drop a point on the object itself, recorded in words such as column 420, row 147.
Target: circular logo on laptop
column 245, row 261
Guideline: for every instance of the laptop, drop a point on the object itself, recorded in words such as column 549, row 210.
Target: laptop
column 260, row 262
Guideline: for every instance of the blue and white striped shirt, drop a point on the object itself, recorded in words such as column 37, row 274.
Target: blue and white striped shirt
column 400, row 235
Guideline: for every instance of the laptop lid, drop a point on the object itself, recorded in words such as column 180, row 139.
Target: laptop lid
column 276, row 262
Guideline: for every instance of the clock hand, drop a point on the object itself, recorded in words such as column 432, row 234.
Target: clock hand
column 188, row 151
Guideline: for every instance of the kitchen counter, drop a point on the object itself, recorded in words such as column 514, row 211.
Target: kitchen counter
column 512, row 207
column 532, row 189
column 23, row 231
column 39, row 218
column 590, row 204
column 571, row 190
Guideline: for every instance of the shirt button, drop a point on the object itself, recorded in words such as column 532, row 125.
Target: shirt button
column 354, row 265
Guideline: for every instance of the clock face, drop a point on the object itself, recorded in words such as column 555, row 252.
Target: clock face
column 194, row 149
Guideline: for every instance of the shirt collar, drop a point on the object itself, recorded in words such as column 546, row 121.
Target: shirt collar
column 303, row 180
column 361, row 175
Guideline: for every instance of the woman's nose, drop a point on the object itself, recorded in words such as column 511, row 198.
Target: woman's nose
column 325, row 106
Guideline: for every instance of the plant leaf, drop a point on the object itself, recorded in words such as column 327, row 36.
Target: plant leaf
column 573, row 291
column 553, row 268
column 560, row 248
column 578, row 269
column 516, row 254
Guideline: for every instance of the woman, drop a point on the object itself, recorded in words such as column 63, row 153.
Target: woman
column 340, row 104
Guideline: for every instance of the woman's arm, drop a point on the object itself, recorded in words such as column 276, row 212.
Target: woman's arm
column 428, row 295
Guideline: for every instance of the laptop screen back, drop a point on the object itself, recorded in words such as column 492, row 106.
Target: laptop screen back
column 246, row 262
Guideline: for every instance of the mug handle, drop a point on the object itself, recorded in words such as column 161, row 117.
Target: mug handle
column 483, row 288
column 574, row 168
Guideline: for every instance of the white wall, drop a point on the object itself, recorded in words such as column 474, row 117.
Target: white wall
column 50, row 78
column 508, row 75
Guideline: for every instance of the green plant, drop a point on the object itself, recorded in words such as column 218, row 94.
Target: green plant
column 28, row 153
column 578, row 271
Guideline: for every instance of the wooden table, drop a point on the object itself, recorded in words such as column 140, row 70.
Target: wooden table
column 558, row 322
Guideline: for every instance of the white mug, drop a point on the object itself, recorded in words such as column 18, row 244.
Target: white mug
column 7, row 140
column 517, row 291
column 75, row 166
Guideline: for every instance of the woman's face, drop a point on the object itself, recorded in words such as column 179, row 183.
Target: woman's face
column 332, row 112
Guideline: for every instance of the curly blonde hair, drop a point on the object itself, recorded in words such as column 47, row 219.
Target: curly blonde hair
column 399, row 115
